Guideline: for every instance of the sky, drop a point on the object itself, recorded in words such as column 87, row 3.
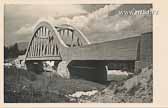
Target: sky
column 99, row 22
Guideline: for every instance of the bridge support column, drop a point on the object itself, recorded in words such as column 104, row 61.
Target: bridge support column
column 137, row 67
column 62, row 69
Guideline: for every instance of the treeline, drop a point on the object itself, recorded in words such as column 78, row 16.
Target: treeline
column 13, row 51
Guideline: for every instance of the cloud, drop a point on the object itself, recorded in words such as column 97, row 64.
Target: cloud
column 87, row 22
column 38, row 11
column 19, row 18
column 99, row 21
column 27, row 29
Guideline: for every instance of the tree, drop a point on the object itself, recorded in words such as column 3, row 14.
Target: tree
column 6, row 50
column 12, row 51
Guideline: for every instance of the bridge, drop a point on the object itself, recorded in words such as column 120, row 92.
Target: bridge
column 67, row 43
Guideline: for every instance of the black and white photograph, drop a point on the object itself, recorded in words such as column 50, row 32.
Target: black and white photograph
column 78, row 53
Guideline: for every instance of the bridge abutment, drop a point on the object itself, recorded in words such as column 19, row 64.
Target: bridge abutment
column 62, row 69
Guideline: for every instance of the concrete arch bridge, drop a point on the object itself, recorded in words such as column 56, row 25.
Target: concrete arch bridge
column 66, row 43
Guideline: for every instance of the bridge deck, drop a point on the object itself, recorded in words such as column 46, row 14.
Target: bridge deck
column 48, row 58
column 124, row 49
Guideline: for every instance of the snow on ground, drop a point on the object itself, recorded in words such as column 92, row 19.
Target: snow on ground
column 82, row 93
column 8, row 64
column 117, row 75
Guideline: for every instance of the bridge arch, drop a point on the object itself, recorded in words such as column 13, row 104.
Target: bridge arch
column 81, row 34
column 47, row 41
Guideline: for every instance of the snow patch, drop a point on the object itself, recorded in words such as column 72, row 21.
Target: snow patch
column 82, row 93
column 7, row 64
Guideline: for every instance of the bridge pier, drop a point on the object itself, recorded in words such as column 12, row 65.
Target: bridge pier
column 62, row 69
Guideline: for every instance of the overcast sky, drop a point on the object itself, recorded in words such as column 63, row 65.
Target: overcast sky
column 94, row 20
